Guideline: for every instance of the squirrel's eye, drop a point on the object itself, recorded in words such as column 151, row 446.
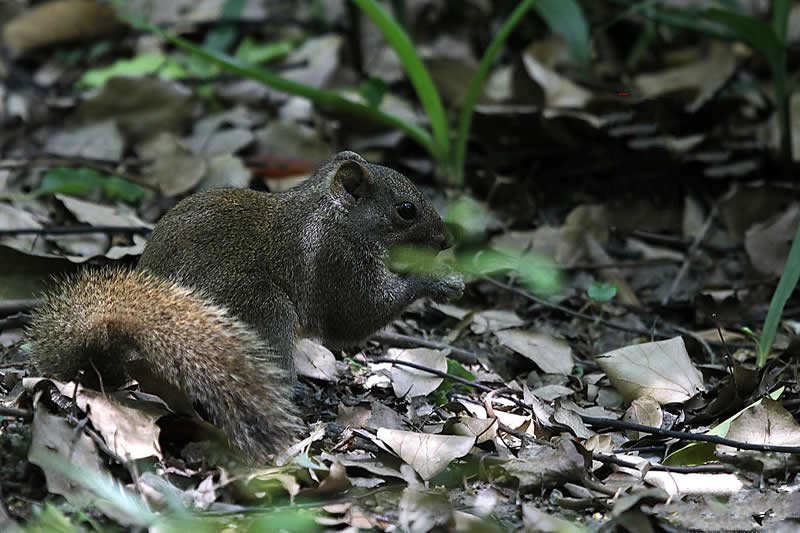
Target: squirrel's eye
column 406, row 210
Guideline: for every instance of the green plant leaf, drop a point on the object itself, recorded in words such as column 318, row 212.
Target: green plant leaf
column 72, row 181
column 420, row 78
column 138, row 66
column 321, row 97
column 780, row 18
column 785, row 288
column 255, row 53
column 602, row 292
column 81, row 181
column 476, row 88
column 754, row 32
column 222, row 36
column 116, row 188
column 373, row 90
column 566, row 18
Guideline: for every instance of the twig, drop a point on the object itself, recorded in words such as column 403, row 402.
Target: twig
column 679, row 469
column 690, row 255
column 623, row 264
column 576, row 314
column 614, row 423
column 440, row 373
column 16, row 413
column 678, row 241
column 10, row 307
column 683, row 435
column 459, row 354
column 69, row 230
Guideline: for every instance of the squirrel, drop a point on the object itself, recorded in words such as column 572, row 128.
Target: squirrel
column 230, row 278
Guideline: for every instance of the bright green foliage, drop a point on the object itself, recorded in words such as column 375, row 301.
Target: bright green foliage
column 785, row 288
column 141, row 65
column 372, row 91
column 602, row 292
column 441, row 395
column 255, row 53
column 564, row 16
column 81, row 181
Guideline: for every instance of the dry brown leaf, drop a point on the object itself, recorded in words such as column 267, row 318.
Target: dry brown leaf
column 427, row 454
column 766, row 423
column 768, row 243
column 545, row 465
column 409, row 382
column 315, row 361
column 643, row 410
column 494, row 320
column 483, row 429
column 660, row 369
column 57, row 22
column 552, row 355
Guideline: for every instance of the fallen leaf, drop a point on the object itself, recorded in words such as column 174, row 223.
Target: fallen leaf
column 409, row 382
column 313, row 360
column 767, row 243
column 660, row 369
column 427, row 454
column 552, row 355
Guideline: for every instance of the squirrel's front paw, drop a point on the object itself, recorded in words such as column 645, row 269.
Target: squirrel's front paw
column 449, row 287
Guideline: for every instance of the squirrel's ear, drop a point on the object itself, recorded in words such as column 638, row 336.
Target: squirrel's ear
column 351, row 178
column 347, row 155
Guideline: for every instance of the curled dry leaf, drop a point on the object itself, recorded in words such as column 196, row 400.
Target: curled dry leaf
column 660, row 369
column 102, row 215
column 768, row 243
column 427, row 454
column 422, row 511
column 99, row 140
column 483, row 429
column 495, row 320
column 315, row 361
column 643, row 410
column 766, row 423
column 546, row 465
column 409, row 382
column 52, row 435
column 130, row 432
column 552, row 355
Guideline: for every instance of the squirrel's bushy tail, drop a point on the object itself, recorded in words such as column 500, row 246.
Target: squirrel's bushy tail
column 97, row 320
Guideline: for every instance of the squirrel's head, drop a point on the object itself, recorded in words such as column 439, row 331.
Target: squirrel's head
column 383, row 208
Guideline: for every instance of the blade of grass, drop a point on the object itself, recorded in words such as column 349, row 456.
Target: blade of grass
column 420, row 78
column 780, row 18
column 476, row 85
column 786, row 285
column 565, row 18
column 320, row 97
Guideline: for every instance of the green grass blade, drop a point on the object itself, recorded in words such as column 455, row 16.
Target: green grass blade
column 420, row 78
column 786, row 285
column 320, row 97
column 780, row 18
column 565, row 18
column 476, row 85
column 757, row 34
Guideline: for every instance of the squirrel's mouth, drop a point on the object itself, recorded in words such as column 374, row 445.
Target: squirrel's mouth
column 414, row 259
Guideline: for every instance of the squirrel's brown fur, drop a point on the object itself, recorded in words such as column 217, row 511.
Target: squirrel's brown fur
column 135, row 314
column 230, row 278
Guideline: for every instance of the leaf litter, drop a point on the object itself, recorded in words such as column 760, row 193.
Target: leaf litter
column 616, row 189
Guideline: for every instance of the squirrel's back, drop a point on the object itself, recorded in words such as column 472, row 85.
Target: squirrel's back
column 186, row 340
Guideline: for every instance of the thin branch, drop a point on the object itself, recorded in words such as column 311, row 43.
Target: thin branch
column 690, row 255
column 459, row 354
column 70, row 230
